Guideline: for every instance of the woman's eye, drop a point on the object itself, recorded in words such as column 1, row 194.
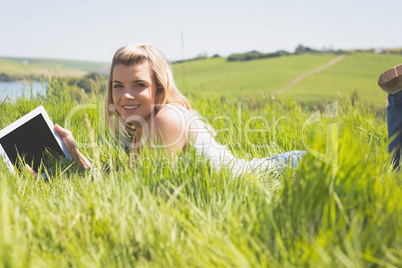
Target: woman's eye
column 116, row 86
column 141, row 85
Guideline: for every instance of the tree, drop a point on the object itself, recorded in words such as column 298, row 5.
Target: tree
column 302, row 49
column 4, row 77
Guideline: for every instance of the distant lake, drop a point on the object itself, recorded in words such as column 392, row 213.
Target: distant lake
column 18, row 89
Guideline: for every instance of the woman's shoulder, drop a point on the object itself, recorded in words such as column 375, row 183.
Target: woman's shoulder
column 176, row 113
column 174, row 121
column 169, row 115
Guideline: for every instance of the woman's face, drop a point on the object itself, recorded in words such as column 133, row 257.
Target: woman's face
column 134, row 92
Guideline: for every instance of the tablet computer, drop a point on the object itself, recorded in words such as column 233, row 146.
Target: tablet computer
column 32, row 138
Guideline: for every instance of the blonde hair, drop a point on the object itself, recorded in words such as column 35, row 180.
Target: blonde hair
column 162, row 75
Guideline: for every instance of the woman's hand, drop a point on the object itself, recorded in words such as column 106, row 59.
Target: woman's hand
column 69, row 142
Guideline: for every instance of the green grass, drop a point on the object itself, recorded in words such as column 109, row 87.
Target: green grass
column 182, row 213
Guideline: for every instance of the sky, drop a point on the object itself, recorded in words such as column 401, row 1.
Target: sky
column 94, row 29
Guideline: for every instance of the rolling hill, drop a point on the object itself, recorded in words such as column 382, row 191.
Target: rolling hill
column 301, row 75
column 355, row 74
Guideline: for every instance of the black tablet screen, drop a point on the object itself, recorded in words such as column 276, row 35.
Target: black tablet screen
column 34, row 142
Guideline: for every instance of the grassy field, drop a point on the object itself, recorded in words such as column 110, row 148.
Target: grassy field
column 343, row 211
column 19, row 66
column 356, row 74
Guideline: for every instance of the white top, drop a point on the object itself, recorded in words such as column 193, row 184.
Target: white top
column 219, row 155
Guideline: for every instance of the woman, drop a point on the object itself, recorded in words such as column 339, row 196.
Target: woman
column 143, row 99
column 391, row 82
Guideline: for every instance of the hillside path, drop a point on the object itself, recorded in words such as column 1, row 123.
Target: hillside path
column 302, row 76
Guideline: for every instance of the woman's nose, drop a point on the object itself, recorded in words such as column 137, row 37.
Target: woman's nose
column 128, row 94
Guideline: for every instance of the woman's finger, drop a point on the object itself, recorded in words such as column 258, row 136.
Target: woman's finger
column 30, row 170
column 67, row 139
column 62, row 131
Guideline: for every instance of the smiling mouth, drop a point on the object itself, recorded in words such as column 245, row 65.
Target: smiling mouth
column 130, row 107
